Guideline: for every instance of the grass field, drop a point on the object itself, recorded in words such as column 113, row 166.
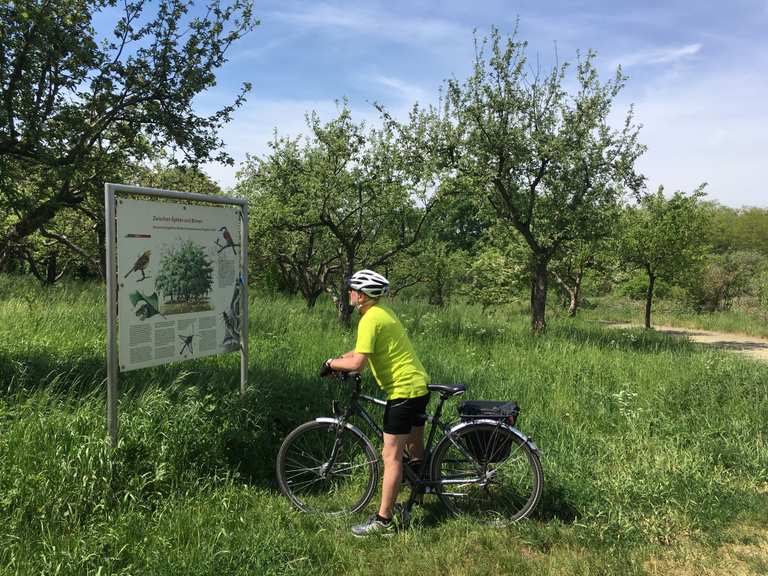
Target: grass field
column 742, row 319
column 655, row 452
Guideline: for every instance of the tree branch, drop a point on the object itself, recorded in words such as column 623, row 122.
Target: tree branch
column 71, row 245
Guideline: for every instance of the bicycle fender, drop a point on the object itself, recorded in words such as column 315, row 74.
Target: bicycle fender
column 527, row 439
column 347, row 425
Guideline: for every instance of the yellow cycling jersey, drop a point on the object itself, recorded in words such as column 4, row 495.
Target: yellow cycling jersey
column 391, row 356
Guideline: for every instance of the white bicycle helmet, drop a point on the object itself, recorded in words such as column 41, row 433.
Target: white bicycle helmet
column 369, row 282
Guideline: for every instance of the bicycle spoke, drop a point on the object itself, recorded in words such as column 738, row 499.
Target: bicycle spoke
column 322, row 468
column 486, row 472
column 306, row 483
column 353, row 466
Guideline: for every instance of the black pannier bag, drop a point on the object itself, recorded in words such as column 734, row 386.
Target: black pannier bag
column 485, row 446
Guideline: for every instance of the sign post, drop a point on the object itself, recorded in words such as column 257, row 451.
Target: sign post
column 177, row 277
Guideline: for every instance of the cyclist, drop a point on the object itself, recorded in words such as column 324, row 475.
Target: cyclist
column 383, row 344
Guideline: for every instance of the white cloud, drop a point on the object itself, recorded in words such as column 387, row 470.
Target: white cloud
column 653, row 56
column 409, row 93
column 380, row 24
column 254, row 51
column 707, row 130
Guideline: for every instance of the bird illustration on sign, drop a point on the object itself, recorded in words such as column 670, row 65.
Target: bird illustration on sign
column 229, row 242
column 187, row 343
column 149, row 305
column 140, row 265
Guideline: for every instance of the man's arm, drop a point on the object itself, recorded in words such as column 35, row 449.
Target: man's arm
column 350, row 362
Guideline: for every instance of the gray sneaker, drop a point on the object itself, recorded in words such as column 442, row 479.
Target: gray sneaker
column 373, row 526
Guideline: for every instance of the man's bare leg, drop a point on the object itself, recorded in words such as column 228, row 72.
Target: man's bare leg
column 392, row 455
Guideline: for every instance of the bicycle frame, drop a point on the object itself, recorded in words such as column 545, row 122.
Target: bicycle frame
column 414, row 476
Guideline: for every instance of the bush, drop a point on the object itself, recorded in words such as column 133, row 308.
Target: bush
column 760, row 288
column 725, row 278
column 636, row 288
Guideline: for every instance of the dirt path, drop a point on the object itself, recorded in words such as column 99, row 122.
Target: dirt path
column 751, row 346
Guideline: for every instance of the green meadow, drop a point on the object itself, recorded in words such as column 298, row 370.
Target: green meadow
column 655, row 451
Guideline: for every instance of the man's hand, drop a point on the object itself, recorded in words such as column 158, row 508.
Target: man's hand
column 326, row 369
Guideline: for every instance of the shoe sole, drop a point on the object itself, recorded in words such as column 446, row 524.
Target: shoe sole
column 382, row 534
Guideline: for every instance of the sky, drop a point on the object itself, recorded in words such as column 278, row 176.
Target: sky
column 698, row 74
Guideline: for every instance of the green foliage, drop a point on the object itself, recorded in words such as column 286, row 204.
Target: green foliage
column 547, row 161
column 738, row 229
column 79, row 110
column 176, row 177
column 499, row 272
column 186, row 273
column 665, row 237
column 636, row 287
column 348, row 197
column 443, row 262
column 761, row 288
column 726, row 277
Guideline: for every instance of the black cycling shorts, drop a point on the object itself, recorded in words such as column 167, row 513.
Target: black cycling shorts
column 402, row 414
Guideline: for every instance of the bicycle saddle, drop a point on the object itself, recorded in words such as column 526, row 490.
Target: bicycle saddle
column 447, row 390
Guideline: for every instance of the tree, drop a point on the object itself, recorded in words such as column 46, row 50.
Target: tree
column 571, row 265
column 173, row 176
column 186, row 273
column 301, row 257
column 73, row 103
column 348, row 197
column 665, row 237
column 442, row 260
column 548, row 162
column 72, row 241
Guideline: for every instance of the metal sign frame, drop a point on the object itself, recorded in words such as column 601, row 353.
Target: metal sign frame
column 110, row 199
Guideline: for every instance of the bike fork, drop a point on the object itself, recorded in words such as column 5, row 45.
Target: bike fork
column 334, row 451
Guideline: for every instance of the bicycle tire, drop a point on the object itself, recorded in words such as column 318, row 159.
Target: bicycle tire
column 488, row 472
column 306, row 480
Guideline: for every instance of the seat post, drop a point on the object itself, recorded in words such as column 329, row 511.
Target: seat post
column 435, row 420
column 439, row 409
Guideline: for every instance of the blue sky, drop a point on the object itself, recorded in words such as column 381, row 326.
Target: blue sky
column 698, row 73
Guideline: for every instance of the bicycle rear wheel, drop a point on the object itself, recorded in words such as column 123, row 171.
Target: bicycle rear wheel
column 326, row 469
column 487, row 472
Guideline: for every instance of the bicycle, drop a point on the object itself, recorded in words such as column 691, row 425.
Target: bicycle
column 482, row 467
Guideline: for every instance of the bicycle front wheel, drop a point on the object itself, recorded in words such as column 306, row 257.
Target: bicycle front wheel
column 487, row 472
column 327, row 469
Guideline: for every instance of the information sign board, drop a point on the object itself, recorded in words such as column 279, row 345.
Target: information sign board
column 178, row 268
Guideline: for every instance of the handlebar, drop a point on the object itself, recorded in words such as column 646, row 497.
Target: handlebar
column 342, row 375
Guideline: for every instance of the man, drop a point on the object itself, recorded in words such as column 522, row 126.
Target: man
column 383, row 343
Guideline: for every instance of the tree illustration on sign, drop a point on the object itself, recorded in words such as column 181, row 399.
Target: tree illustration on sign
column 185, row 278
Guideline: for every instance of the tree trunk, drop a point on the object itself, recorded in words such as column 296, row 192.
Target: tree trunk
column 649, row 298
column 36, row 218
column 311, row 297
column 345, row 308
column 51, row 268
column 436, row 297
column 539, row 294
column 574, row 295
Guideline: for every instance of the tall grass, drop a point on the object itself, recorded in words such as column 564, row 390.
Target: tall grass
column 648, row 444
